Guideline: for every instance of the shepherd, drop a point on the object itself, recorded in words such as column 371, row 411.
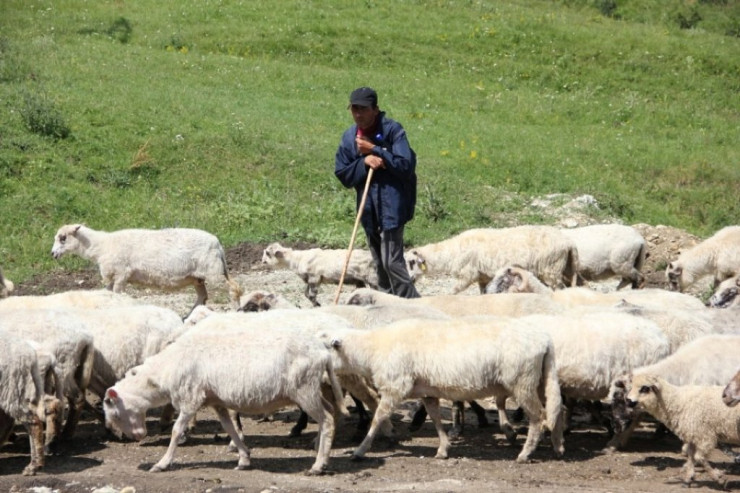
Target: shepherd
column 375, row 158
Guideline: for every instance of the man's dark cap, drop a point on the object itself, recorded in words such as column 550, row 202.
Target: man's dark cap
column 363, row 96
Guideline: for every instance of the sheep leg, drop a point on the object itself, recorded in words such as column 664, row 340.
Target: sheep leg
column 716, row 474
column 73, row 416
column 166, row 418
column 382, row 413
column 236, row 421
column 503, row 419
column 619, row 440
column 225, row 418
column 432, row 406
column 300, row 425
column 201, row 292
column 534, row 411
column 312, row 288
column 324, row 416
column 688, row 467
column 36, row 440
column 420, row 415
column 178, row 430
column 458, row 418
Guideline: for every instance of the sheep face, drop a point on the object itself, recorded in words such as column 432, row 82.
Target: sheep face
column 65, row 240
column 622, row 412
column 257, row 301
column 673, row 275
column 122, row 420
column 731, row 393
column 273, row 255
column 416, row 264
column 644, row 394
column 506, row 280
column 726, row 293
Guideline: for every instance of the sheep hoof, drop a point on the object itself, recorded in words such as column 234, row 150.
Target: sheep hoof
column 510, row 436
column 441, row 455
column 316, row 472
column 357, row 458
column 608, row 450
column 30, row 470
column 157, row 468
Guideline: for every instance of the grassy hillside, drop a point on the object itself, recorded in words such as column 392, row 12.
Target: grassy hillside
column 225, row 115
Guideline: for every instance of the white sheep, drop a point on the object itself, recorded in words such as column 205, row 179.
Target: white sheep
column 696, row 414
column 476, row 254
column 6, row 285
column 21, row 395
column 365, row 317
column 514, row 279
column 593, row 348
column 718, row 256
column 504, row 305
column 708, row 360
column 81, row 298
column 123, row 337
column 731, row 392
column 168, row 258
column 607, row 250
column 65, row 337
column 228, row 362
column 458, row 359
column 316, row 266
column 726, row 293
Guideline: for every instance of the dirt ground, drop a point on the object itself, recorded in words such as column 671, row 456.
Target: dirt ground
column 481, row 460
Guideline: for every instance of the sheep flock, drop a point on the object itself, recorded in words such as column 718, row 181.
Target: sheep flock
column 554, row 339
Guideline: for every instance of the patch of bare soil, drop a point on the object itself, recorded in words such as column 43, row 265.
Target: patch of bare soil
column 480, row 461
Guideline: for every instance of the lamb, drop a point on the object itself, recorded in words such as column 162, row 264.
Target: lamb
column 504, row 305
column 168, row 258
column 718, row 255
column 514, row 279
column 459, row 359
column 475, row 255
column 696, row 414
column 606, row 250
column 708, row 360
column 76, row 298
column 731, row 392
column 228, row 362
column 316, row 266
column 63, row 336
column 6, row 286
column 726, row 293
column 21, row 395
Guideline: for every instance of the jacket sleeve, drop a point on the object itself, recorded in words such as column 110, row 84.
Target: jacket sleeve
column 396, row 152
column 349, row 165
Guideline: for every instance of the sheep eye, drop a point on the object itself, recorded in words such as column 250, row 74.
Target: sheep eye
column 62, row 238
column 644, row 389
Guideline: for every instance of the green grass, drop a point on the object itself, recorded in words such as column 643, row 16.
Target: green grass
column 225, row 116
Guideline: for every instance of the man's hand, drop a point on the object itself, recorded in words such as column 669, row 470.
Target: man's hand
column 364, row 146
column 374, row 162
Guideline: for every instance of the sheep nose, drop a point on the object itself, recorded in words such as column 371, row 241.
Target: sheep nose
column 631, row 403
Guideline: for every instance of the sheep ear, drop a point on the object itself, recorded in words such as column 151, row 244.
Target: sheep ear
column 279, row 254
column 737, row 281
column 111, row 394
column 77, row 228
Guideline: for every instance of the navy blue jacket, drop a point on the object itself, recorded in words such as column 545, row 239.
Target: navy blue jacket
column 392, row 195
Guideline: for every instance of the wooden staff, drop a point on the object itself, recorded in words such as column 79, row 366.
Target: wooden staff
column 354, row 233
